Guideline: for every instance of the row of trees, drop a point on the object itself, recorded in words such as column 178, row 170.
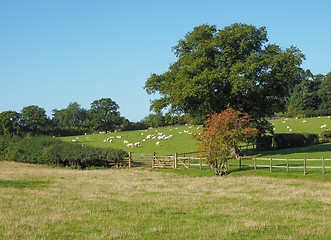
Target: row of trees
column 103, row 116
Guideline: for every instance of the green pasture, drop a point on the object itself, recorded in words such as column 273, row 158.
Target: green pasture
column 40, row 202
column 301, row 125
column 181, row 142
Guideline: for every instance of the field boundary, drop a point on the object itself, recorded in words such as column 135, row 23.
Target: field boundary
column 174, row 161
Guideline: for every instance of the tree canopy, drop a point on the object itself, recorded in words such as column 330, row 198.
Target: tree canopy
column 104, row 114
column 233, row 66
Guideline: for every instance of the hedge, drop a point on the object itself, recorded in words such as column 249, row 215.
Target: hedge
column 288, row 140
column 47, row 150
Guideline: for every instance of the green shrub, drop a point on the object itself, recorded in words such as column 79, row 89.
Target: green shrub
column 326, row 136
column 264, row 142
column 289, row 140
column 47, row 150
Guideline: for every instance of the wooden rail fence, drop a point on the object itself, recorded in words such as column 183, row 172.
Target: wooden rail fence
column 174, row 161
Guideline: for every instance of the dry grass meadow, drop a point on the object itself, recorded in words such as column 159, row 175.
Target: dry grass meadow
column 39, row 202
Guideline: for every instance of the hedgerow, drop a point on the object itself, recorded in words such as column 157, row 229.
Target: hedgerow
column 47, row 150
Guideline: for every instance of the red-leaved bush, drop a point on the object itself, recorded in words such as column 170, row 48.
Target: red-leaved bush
column 221, row 135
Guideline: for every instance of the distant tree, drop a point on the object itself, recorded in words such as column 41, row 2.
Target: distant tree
column 34, row 118
column 324, row 93
column 233, row 66
column 104, row 114
column 10, row 123
column 221, row 136
column 304, row 95
column 154, row 120
column 71, row 117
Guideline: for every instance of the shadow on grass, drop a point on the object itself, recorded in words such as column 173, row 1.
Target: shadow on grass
column 22, row 184
column 318, row 148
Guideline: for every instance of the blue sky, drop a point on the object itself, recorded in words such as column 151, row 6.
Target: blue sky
column 56, row 52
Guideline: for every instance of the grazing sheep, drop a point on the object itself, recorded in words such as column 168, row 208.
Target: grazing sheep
column 130, row 145
column 137, row 144
column 119, row 136
column 125, row 142
column 304, row 121
column 111, row 141
column 288, row 127
column 323, row 126
column 291, row 130
column 74, row 140
column 158, row 143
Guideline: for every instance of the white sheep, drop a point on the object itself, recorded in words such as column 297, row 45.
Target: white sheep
column 137, row 144
column 158, row 143
column 323, row 126
column 125, row 142
column 130, row 145
column 74, row 140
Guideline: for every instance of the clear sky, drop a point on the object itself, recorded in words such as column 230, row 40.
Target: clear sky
column 56, row 52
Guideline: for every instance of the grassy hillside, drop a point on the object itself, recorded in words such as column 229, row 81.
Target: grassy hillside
column 308, row 125
column 181, row 141
column 39, row 202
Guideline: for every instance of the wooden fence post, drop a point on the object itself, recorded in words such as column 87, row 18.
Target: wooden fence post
column 153, row 160
column 255, row 163
column 200, row 164
column 189, row 163
column 323, row 164
column 287, row 165
column 304, row 166
column 227, row 166
column 176, row 163
column 239, row 162
column 271, row 164
column 130, row 159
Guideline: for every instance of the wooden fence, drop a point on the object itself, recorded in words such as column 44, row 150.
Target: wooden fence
column 174, row 161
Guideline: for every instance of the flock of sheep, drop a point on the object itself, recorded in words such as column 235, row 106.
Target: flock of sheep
column 159, row 136
column 304, row 121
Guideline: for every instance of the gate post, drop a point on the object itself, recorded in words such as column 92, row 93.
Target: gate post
column 176, row 160
column 130, row 159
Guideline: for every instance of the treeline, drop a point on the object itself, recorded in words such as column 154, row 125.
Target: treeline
column 311, row 97
column 74, row 120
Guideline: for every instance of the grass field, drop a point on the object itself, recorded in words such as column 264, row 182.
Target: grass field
column 302, row 125
column 182, row 142
column 39, row 202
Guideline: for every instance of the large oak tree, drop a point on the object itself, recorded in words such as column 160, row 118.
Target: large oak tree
column 232, row 66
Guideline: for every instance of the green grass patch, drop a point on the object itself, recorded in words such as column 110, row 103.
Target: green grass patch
column 141, row 204
column 301, row 125
column 181, row 141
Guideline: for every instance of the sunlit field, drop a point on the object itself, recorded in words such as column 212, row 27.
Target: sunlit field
column 40, row 202
column 182, row 140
